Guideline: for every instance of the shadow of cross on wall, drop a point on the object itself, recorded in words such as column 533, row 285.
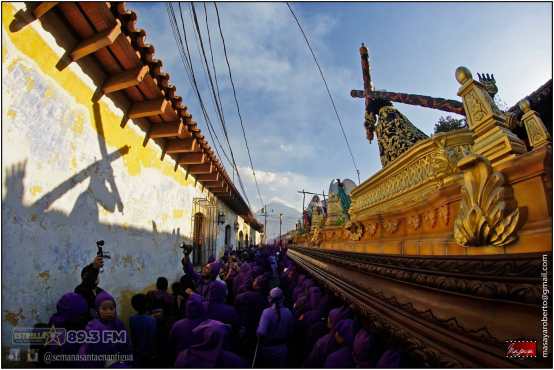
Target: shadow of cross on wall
column 38, row 238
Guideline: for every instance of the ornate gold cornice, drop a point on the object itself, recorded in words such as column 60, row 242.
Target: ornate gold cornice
column 447, row 311
column 421, row 170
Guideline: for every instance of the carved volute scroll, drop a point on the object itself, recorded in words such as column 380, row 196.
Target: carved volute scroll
column 488, row 212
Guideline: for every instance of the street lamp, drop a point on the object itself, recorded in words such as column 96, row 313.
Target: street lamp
column 221, row 218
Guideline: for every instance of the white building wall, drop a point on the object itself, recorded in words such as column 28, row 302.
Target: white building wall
column 71, row 176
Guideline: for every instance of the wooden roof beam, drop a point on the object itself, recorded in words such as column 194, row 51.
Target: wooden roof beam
column 125, row 79
column 188, row 144
column 43, row 7
column 169, row 129
column 219, row 191
column 200, row 168
column 207, row 177
column 148, row 108
column 215, row 184
column 96, row 42
column 192, row 158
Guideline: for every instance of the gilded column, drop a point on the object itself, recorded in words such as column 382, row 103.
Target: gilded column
column 536, row 131
column 492, row 137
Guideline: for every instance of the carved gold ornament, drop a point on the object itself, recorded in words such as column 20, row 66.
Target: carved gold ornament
column 430, row 217
column 420, row 171
column 488, row 213
column 414, row 221
column 444, row 214
column 372, row 228
column 391, row 226
column 355, row 230
column 476, row 109
column 536, row 131
column 446, row 158
column 316, row 236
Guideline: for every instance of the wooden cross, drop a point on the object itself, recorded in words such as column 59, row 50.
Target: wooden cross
column 369, row 93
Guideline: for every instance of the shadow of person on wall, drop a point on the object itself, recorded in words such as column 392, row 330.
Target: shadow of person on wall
column 102, row 189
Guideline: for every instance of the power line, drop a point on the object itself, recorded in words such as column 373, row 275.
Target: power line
column 187, row 62
column 328, row 91
column 221, row 116
column 237, row 103
column 212, row 53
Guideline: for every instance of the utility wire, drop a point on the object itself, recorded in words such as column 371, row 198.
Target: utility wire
column 212, row 53
column 237, row 103
column 328, row 91
column 214, row 93
column 187, row 62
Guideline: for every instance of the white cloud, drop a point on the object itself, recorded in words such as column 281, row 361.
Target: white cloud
column 286, row 147
column 283, row 186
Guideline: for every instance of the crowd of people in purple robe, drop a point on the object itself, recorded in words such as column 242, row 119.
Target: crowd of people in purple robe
column 250, row 308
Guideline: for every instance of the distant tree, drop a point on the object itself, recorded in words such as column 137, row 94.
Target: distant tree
column 449, row 123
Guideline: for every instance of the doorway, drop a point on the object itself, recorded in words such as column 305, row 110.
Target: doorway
column 241, row 236
column 228, row 235
column 198, row 239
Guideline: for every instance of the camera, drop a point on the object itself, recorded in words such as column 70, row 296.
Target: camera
column 100, row 252
column 187, row 248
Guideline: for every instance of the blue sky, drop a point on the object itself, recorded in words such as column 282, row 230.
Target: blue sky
column 414, row 48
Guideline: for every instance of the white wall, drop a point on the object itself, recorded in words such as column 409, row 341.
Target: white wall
column 67, row 182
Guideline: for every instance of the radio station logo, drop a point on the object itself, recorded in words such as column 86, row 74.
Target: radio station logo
column 38, row 336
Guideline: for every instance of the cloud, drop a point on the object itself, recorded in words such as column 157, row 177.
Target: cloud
column 290, row 125
column 283, row 186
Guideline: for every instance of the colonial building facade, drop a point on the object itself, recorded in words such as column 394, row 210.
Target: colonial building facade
column 97, row 145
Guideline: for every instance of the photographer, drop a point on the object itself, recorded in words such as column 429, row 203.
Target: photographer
column 89, row 288
column 206, row 278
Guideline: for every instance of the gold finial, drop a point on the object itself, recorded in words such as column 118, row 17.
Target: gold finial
column 463, row 75
column 524, row 105
column 363, row 50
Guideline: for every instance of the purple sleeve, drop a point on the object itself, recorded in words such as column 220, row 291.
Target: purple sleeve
column 263, row 327
column 189, row 270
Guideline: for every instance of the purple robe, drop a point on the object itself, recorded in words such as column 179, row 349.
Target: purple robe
column 389, row 360
column 315, row 306
column 300, row 306
column 303, row 289
column 216, row 309
column 71, row 312
column 243, row 275
column 99, row 325
column 342, row 358
column 180, row 336
column 160, row 298
column 207, row 350
column 250, row 306
column 363, row 350
column 309, row 319
column 326, row 344
column 274, row 332
column 202, row 284
column 299, row 287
